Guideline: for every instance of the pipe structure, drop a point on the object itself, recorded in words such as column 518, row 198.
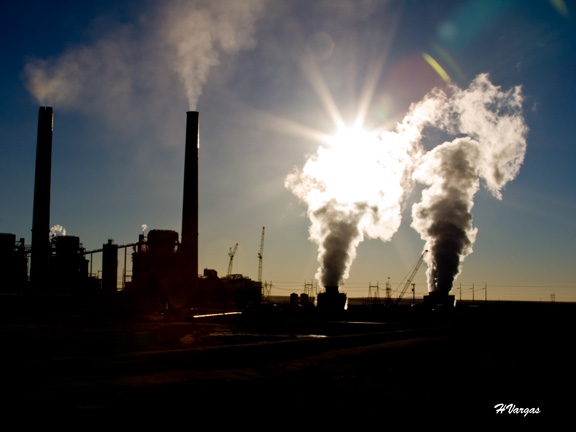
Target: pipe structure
column 41, row 211
column 189, row 244
column 109, row 267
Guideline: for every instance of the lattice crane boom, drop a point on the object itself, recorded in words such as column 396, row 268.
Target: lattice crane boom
column 231, row 254
column 412, row 274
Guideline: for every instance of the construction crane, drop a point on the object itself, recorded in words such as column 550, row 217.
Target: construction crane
column 231, row 254
column 260, row 255
column 412, row 274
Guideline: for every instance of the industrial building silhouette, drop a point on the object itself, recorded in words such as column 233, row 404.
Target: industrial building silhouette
column 164, row 268
column 65, row 363
column 165, row 274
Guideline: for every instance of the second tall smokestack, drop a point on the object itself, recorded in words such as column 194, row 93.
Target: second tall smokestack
column 190, row 201
column 41, row 210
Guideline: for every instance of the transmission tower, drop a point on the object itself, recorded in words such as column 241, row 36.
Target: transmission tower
column 267, row 288
column 309, row 288
column 373, row 293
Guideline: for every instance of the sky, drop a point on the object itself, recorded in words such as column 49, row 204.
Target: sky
column 272, row 80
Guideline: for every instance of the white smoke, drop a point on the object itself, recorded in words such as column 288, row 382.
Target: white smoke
column 144, row 228
column 132, row 66
column 490, row 145
column 57, row 230
column 356, row 184
column 199, row 32
column 353, row 187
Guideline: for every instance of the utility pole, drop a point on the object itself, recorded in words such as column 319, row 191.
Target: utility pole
column 260, row 255
column 124, row 270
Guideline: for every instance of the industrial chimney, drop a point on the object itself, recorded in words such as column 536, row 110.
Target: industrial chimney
column 41, row 211
column 189, row 246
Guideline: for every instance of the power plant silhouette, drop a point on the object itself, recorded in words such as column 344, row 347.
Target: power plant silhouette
column 232, row 345
column 164, row 269
column 165, row 272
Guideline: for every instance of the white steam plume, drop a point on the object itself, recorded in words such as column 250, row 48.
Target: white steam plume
column 57, row 230
column 198, row 32
column 353, row 187
column 490, row 145
column 356, row 184
column 133, row 65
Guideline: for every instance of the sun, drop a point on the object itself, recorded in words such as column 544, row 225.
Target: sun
column 355, row 168
column 350, row 135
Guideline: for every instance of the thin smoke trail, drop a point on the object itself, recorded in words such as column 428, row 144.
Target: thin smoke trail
column 134, row 65
column 202, row 31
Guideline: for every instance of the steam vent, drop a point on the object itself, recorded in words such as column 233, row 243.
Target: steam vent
column 439, row 299
column 331, row 300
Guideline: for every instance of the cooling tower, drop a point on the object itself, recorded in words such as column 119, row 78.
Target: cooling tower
column 41, row 211
column 189, row 244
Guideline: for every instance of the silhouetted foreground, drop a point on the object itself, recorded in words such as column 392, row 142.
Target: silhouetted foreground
column 441, row 367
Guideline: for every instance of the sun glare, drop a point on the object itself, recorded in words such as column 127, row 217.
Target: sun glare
column 355, row 166
column 350, row 135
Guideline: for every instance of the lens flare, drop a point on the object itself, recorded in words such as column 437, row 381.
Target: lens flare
column 436, row 66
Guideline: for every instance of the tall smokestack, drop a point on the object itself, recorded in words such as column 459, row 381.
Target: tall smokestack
column 41, row 211
column 190, row 201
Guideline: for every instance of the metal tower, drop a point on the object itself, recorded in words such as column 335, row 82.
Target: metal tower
column 231, row 254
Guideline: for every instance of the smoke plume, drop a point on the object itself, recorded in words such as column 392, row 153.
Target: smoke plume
column 132, row 66
column 443, row 217
column 200, row 33
column 57, row 230
column 355, row 186
column 489, row 146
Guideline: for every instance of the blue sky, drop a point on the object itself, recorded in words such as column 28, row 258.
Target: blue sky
column 127, row 72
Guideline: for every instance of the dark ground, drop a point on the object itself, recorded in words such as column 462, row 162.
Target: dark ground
column 273, row 370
